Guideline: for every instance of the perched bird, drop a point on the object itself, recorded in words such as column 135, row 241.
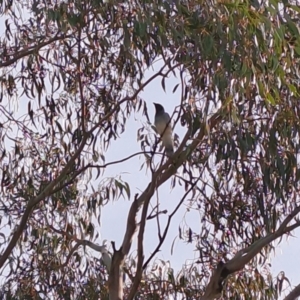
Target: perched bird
column 162, row 122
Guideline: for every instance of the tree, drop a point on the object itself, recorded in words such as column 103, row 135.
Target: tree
column 78, row 70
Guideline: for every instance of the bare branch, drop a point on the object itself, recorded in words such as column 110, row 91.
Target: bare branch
column 140, row 251
column 83, row 169
column 244, row 256
column 32, row 50
column 115, row 283
column 163, row 173
column 294, row 294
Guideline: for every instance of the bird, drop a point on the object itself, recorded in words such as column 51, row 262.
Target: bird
column 162, row 122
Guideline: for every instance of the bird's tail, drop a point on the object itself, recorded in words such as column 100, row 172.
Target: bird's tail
column 167, row 141
column 168, row 144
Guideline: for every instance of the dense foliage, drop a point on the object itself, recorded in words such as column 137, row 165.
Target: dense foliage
column 71, row 76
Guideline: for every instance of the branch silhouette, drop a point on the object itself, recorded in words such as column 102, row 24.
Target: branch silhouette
column 294, row 294
column 32, row 50
column 244, row 256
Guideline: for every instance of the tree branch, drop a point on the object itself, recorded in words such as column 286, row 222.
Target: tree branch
column 79, row 242
column 294, row 293
column 32, row 50
column 244, row 256
column 163, row 173
column 122, row 160
column 140, row 252
column 83, row 169
column 82, row 100
column 32, row 202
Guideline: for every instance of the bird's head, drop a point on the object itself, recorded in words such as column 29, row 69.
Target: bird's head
column 159, row 108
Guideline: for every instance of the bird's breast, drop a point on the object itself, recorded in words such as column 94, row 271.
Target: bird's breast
column 161, row 128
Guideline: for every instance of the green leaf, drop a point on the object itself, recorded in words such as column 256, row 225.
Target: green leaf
column 270, row 99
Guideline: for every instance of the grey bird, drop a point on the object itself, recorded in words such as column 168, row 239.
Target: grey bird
column 162, row 122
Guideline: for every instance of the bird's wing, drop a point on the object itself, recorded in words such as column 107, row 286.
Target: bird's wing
column 161, row 122
column 167, row 117
column 167, row 138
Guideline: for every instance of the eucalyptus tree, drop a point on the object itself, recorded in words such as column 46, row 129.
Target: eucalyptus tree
column 72, row 73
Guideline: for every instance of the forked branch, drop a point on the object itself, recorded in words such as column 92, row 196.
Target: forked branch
column 244, row 256
column 162, row 174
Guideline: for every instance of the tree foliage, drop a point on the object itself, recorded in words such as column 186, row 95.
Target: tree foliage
column 71, row 76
